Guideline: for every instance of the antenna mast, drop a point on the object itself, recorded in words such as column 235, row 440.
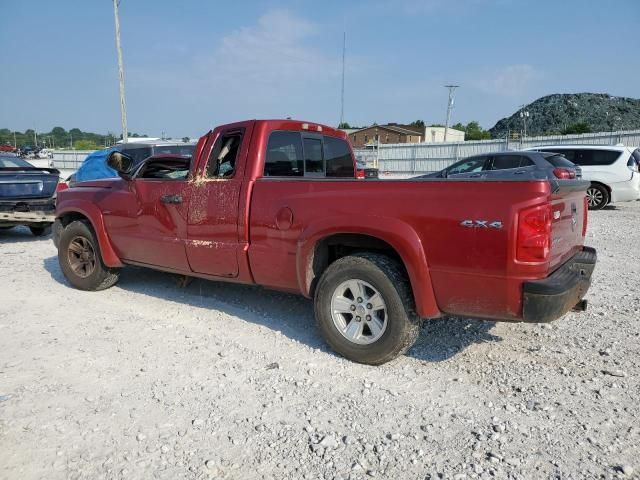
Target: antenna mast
column 344, row 49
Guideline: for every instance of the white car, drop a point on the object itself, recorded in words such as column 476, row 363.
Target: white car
column 614, row 171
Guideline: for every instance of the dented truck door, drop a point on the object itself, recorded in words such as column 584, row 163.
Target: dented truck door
column 213, row 241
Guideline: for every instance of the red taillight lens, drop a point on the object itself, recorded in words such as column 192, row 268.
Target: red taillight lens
column 534, row 234
column 359, row 173
column 585, row 215
column 564, row 173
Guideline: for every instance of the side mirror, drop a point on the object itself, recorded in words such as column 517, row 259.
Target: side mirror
column 121, row 163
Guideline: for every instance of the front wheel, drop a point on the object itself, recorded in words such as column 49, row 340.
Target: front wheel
column 597, row 196
column 80, row 260
column 364, row 308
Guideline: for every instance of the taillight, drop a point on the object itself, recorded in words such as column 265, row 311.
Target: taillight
column 534, row 234
column 62, row 185
column 585, row 215
column 564, row 173
column 359, row 173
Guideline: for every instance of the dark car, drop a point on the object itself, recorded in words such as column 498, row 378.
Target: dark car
column 364, row 172
column 27, row 194
column 525, row 165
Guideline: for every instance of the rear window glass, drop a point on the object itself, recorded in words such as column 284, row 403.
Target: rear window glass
column 558, row 161
column 338, row 158
column 13, row 162
column 313, row 156
column 284, row 155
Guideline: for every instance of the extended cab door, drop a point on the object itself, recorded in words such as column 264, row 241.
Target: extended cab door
column 213, row 239
column 147, row 217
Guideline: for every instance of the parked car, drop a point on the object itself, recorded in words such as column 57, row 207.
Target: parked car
column 364, row 172
column 95, row 165
column 7, row 149
column 276, row 203
column 531, row 165
column 614, row 171
column 27, row 194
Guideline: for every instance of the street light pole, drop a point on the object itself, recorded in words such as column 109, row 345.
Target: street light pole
column 524, row 114
column 123, row 105
column 449, row 108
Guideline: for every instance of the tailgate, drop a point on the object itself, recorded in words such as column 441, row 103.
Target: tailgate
column 29, row 184
column 568, row 220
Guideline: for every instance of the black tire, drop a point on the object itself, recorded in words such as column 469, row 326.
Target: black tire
column 388, row 277
column 94, row 277
column 597, row 196
column 40, row 230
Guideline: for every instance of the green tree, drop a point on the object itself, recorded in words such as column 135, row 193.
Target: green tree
column 344, row 125
column 85, row 145
column 418, row 123
column 473, row 131
column 576, row 128
column 185, row 139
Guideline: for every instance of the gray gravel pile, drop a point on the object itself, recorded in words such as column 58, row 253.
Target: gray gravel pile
column 219, row 381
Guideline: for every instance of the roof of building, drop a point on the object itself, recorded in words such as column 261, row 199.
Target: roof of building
column 393, row 128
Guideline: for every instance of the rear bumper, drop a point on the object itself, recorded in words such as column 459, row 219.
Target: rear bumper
column 626, row 191
column 549, row 298
column 27, row 212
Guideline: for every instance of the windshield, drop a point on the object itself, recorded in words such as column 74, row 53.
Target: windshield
column 13, row 162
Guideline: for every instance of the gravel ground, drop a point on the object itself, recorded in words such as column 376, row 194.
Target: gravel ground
column 149, row 380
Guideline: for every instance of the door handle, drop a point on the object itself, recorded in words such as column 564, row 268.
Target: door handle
column 171, row 199
column 475, row 175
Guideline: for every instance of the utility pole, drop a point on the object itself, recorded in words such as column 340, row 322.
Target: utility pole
column 15, row 144
column 35, row 139
column 344, row 49
column 71, row 135
column 123, row 105
column 452, row 89
column 524, row 114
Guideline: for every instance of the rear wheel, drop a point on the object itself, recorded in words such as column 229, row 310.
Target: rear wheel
column 364, row 308
column 597, row 196
column 40, row 230
column 80, row 260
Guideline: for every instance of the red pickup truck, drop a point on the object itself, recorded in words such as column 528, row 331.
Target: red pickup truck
column 276, row 203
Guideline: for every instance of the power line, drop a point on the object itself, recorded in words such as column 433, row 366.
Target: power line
column 452, row 89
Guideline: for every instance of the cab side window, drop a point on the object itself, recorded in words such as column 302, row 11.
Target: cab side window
column 469, row 165
column 284, row 155
column 338, row 159
column 503, row 162
column 222, row 160
column 295, row 154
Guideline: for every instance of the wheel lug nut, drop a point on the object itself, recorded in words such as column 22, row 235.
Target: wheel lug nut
column 352, row 307
column 358, row 319
column 368, row 318
column 369, row 306
column 359, row 300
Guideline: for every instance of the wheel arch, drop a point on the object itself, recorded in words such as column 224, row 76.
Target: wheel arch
column 319, row 246
column 89, row 212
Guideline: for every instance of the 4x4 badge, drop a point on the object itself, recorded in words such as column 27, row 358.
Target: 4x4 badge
column 481, row 224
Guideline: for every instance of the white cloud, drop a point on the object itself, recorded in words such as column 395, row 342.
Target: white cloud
column 509, row 81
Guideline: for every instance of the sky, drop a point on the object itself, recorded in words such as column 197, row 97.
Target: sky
column 191, row 65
